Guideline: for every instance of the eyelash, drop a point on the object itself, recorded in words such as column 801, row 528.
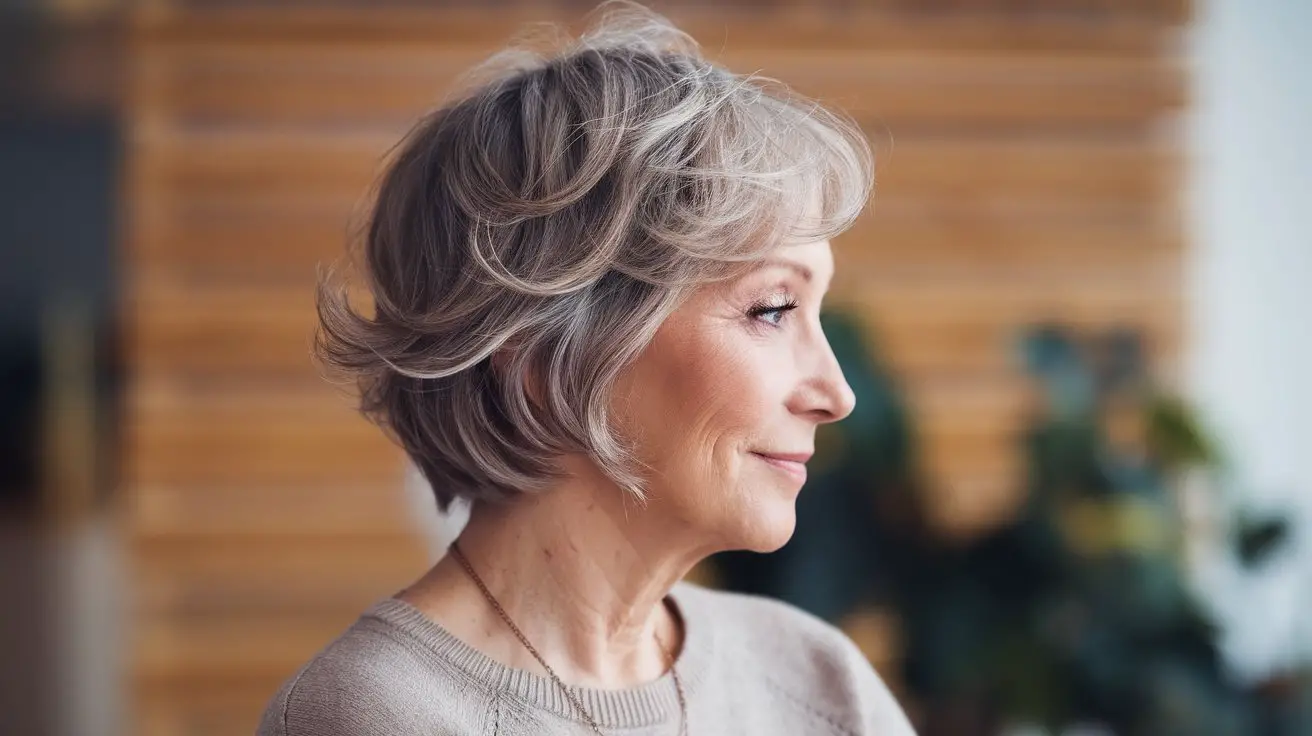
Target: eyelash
column 764, row 308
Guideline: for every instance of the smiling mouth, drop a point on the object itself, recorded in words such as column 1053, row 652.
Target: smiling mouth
column 795, row 469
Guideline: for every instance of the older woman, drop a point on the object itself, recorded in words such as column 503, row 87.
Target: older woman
column 597, row 280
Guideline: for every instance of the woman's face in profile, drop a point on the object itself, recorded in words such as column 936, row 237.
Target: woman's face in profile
column 725, row 401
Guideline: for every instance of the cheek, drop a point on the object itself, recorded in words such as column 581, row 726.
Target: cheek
column 709, row 404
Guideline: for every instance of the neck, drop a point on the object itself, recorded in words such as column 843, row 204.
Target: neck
column 582, row 573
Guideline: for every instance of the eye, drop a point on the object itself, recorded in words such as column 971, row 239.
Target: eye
column 772, row 313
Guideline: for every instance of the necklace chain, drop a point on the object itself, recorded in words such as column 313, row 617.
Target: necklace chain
column 496, row 605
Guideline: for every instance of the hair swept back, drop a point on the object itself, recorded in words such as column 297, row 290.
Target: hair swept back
column 553, row 215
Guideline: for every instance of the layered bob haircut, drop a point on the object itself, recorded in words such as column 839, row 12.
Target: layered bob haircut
column 528, row 238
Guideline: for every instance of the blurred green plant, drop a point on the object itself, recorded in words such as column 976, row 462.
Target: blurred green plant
column 1074, row 611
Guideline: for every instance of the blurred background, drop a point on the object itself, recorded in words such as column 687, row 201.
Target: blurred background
column 1076, row 492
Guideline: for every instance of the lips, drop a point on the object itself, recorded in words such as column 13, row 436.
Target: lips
column 795, row 457
column 792, row 464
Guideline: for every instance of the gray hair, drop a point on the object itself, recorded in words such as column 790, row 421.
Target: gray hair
column 529, row 237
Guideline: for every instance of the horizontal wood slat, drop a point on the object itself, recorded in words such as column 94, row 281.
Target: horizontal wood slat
column 319, row 87
column 203, row 576
column 961, row 425
column 920, row 325
column 965, row 245
column 1134, row 27
column 284, row 508
column 253, row 243
column 261, row 167
column 232, row 649
column 211, row 709
column 260, row 442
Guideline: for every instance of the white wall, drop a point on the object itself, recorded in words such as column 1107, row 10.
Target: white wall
column 1250, row 360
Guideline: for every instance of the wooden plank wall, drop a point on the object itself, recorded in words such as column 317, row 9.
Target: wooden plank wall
column 1026, row 170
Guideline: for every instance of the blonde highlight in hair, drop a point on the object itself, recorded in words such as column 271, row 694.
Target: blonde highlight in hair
column 551, row 217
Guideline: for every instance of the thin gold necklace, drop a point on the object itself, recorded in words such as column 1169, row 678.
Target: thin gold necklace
column 491, row 599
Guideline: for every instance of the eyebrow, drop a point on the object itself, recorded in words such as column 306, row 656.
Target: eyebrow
column 803, row 271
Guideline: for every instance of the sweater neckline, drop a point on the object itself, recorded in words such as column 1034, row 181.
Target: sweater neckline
column 648, row 704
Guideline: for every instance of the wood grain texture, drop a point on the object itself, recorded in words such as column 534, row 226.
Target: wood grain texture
column 1025, row 172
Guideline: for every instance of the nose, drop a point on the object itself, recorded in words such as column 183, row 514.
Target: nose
column 825, row 395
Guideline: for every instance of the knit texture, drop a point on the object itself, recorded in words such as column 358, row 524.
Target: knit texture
column 749, row 665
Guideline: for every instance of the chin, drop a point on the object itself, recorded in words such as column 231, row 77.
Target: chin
column 765, row 528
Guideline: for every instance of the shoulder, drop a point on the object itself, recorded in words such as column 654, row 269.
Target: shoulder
column 373, row 679
column 800, row 656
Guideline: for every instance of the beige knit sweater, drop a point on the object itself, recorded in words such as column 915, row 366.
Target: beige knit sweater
column 749, row 665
